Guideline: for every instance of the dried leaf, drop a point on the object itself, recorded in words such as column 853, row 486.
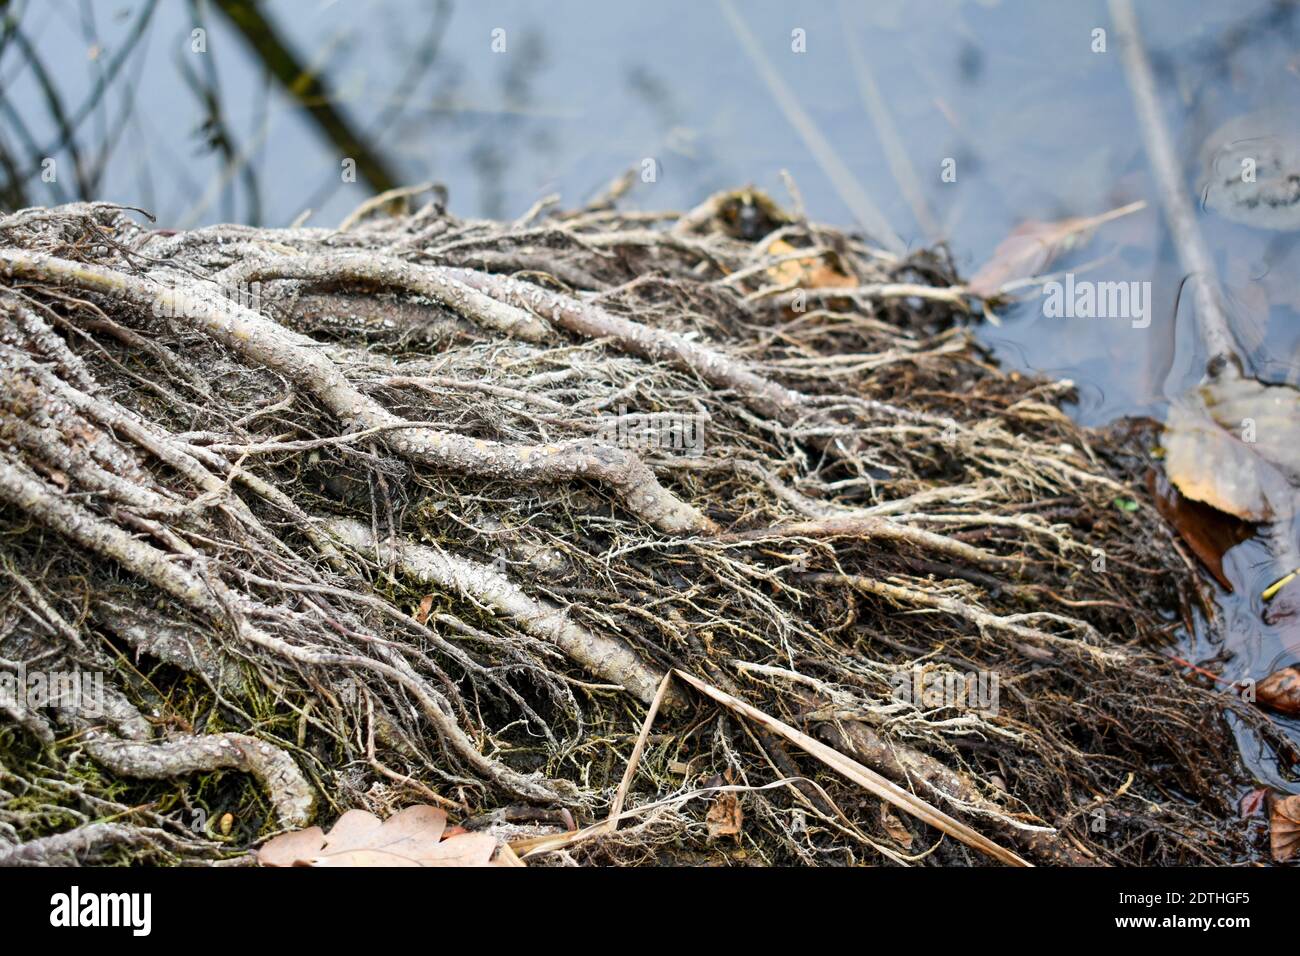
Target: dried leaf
column 899, row 833
column 1205, row 463
column 1232, row 447
column 725, row 816
column 1271, row 410
column 1209, row 533
column 1033, row 245
column 364, row 858
column 352, row 831
column 1253, row 802
column 467, row 849
column 422, row 612
column 507, row 857
column 409, row 832
column 811, row 272
column 1280, row 691
column 415, row 836
column 1284, row 828
column 291, row 849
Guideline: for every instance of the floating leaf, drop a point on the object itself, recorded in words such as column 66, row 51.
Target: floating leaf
column 415, row 836
column 1280, row 691
column 1207, row 464
column 1232, row 446
column 1033, row 245
column 1284, row 828
column 1269, row 414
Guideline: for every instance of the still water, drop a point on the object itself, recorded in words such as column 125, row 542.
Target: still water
column 1024, row 106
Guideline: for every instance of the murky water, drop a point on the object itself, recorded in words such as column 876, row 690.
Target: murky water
column 505, row 102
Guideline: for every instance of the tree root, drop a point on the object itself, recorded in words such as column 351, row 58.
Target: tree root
column 291, row 795
column 391, row 273
column 27, row 492
column 85, row 844
column 605, row 657
column 908, row 766
column 190, row 488
column 298, row 359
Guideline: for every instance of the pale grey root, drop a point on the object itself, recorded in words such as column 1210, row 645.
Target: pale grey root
column 606, row 657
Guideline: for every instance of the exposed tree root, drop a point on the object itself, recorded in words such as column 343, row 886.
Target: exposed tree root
column 604, row 657
column 85, row 844
column 429, row 517
column 275, row 770
column 302, row 362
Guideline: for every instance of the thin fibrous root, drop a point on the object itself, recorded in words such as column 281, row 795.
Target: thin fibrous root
column 1015, row 624
column 879, row 528
column 21, row 488
column 300, row 360
column 606, row 657
column 762, row 395
column 908, row 765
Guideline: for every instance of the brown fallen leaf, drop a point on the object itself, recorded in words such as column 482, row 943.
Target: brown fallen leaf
column 1280, row 691
column 1272, row 410
column 1253, row 802
column 725, row 816
column 897, row 831
column 508, row 857
column 1208, row 532
column 466, row 849
column 414, row 836
column 1033, row 245
column 1284, row 828
column 811, row 272
column 292, row 849
column 422, row 612
column 351, row 831
column 1231, row 445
